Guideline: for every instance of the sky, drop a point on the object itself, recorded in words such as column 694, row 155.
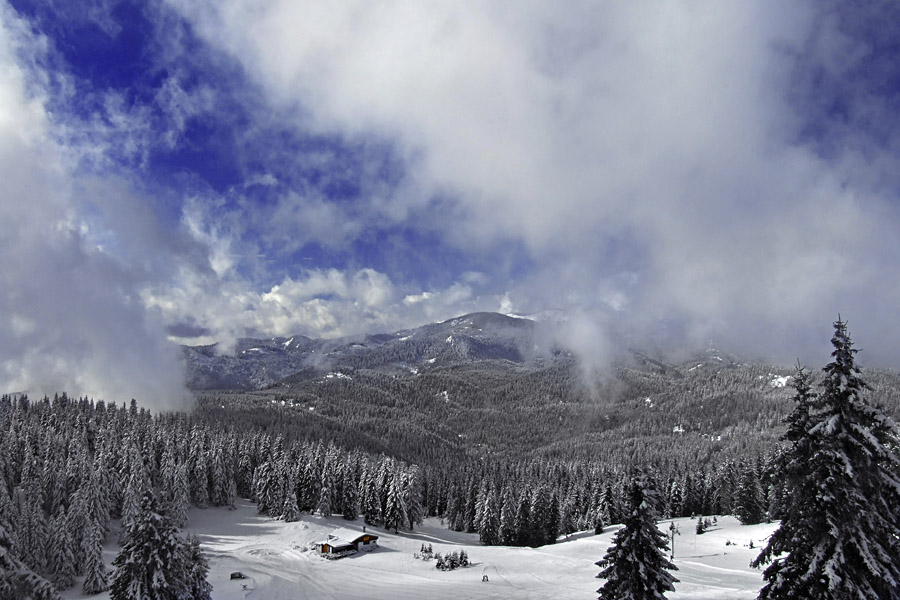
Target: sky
column 671, row 174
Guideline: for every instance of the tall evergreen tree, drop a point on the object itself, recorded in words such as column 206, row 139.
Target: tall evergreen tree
column 489, row 518
column 350, row 500
column 395, row 515
column 635, row 567
column 150, row 565
column 197, row 587
column 17, row 580
column 507, row 532
column 842, row 477
column 179, row 502
column 95, row 580
column 749, row 500
column 290, row 512
column 61, row 555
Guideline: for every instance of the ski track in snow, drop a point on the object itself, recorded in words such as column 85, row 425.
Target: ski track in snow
column 279, row 563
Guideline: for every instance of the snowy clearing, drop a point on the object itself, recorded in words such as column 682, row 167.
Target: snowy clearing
column 279, row 562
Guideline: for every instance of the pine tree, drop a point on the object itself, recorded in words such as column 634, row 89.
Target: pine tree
column 61, row 555
column 180, row 501
column 138, row 483
column 412, row 498
column 95, row 580
column 842, row 480
column 395, row 515
column 17, row 580
column 290, row 512
column 350, row 500
column 372, row 507
column 150, row 564
column 749, row 501
column 199, row 467
column 635, row 567
column 197, row 587
column 323, row 506
column 507, row 533
column 97, row 507
column 488, row 515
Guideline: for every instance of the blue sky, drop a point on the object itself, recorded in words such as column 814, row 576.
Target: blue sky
column 186, row 171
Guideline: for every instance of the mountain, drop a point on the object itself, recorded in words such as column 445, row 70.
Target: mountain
column 486, row 383
column 259, row 363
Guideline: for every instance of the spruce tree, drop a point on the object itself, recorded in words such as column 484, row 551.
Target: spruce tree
column 749, row 500
column 151, row 564
column 179, row 503
column 842, row 477
column 17, row 580
column 395, row 515
column 61, row 555
column 197, row 567
column 95, row 580
column 412, row 498
column 635, row 566
column 488, row 518
column 323, row 506
column 290, row 512
column 350, row 500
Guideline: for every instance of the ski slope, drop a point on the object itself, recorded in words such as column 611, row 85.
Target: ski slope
column 280, row 564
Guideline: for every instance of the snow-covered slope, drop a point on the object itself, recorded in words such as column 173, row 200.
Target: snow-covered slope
column 279, row 563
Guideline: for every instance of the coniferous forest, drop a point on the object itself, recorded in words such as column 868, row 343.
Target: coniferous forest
column 74, row 470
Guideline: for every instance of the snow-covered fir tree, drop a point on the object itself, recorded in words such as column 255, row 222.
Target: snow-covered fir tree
column 17, row 580
column 197, row 587
column 749, row 501
column 180, row 497
column 350, row 500
column 95, row 576
column 840, row 524
column 290, row 512
column 61, row 554
column 152, row 564
column 395, row 515
column 635, row 567
column 487, row 517
column 323, row 506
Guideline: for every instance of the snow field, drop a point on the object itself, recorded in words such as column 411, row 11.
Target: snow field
column 279, row 562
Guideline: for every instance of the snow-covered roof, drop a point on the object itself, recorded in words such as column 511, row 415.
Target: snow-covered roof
column 347, row 535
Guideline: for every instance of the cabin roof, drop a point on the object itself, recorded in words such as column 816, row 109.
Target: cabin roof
column 346, row 535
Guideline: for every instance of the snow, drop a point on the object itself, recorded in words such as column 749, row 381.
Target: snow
column 449, row 339
column 678, row 429
column 334, row 375
column 280, row 564
column 288, row 343
column 779, row 381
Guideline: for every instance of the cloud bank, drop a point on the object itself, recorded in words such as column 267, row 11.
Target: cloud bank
column 71, row 318
column 673, row 164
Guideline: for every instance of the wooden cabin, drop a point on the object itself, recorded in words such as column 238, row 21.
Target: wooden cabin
column 345, row 541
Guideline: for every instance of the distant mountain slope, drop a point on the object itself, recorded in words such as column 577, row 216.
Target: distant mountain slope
column 483, row 384
column 258, row 363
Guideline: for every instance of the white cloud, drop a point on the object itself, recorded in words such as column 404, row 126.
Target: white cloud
column 72, row 321
column 660, row 135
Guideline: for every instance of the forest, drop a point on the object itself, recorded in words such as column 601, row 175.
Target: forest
column 506, row 456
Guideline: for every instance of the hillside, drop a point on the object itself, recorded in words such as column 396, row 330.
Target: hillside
column 487, row 384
